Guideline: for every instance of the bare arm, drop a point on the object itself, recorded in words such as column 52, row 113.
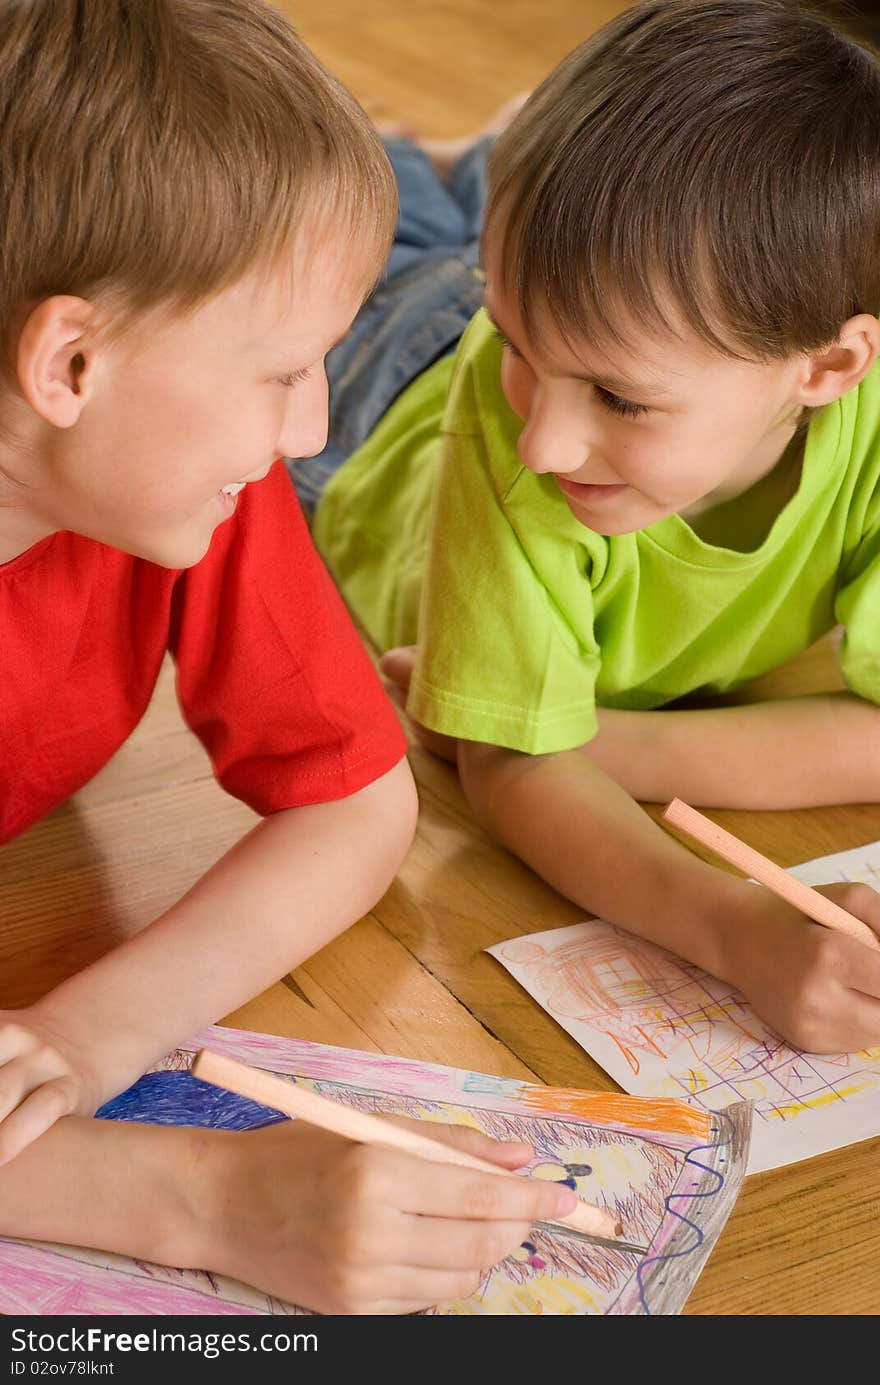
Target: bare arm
column 591, row 841
column 113, row 1185
column 798, row 753
column 293, row 1210
column 587, row 837
column 288, row 887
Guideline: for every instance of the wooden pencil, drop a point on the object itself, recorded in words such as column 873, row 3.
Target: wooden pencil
column 366, row 1128
column 816, row 906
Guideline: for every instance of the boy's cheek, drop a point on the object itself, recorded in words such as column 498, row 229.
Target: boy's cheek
column 515, row 386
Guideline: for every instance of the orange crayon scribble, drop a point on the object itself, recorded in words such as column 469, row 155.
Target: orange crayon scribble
column 650, row 1042
column 626, row 1052
column 668, row 1114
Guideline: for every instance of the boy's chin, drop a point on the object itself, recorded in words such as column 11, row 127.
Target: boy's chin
column 174, row 552
column 609, row 528
column 609, row 525
column 609, row 531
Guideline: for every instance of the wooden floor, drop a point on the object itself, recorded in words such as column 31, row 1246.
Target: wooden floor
column 411, row 978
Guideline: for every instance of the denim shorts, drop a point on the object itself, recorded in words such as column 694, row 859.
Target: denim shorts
column 431, row 288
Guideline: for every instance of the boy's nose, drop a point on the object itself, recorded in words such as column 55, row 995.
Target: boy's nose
column 306, row 421
column 305, row 441
column 544, row 449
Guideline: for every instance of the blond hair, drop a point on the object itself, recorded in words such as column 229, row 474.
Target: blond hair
column 161, row 149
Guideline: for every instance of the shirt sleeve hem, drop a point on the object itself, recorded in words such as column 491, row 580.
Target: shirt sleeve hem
column 303, row 789
column 513, row 727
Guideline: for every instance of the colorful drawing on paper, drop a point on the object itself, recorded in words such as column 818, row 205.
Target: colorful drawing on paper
column 671, row 1171
column 661, row 1027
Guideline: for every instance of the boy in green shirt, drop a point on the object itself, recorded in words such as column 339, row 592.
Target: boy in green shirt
column 193, row 212
column 653, row 472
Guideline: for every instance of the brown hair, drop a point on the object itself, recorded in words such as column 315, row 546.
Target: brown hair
column 717, row 157
column 160, row 149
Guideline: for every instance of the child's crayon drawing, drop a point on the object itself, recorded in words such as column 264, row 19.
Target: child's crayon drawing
column 670, row 1171
column 662, row 1027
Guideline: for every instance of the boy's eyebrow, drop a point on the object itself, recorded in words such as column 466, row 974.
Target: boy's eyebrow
column 610, row 383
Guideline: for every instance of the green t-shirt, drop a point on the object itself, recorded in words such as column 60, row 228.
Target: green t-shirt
column 526, row 620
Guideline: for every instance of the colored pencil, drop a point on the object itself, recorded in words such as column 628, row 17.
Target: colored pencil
column 366, row 1128
column 816, row 906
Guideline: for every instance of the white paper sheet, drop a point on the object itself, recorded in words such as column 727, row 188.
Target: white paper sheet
column 661, row 1027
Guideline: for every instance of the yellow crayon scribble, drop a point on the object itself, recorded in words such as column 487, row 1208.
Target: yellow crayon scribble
column 697, row 1081
column 812, row 1103
column 545, row 1293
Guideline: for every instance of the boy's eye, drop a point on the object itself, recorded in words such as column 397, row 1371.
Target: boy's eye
column 295, row 377
column 507, row 344
column 625, row 407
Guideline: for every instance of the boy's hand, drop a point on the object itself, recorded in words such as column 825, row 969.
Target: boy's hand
column 819, row 988
column 347, row 1228
column 41, row 1079
column 397, row 669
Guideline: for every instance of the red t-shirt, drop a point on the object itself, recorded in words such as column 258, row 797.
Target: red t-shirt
column 271, row 674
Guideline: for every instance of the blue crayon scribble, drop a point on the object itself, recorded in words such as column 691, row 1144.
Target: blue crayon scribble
column 178, row 1098
column 650, row 1260
column 487, row 1084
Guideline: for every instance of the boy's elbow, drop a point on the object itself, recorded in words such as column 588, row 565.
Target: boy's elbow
column 488, row 774
column 394, row 811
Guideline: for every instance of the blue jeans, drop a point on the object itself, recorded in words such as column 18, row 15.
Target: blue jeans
column 431, row 288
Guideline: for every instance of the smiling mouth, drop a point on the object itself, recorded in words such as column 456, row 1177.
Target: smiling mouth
column 235, row 487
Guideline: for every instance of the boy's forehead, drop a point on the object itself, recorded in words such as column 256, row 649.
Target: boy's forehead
column 293, row 306
column 318, row 287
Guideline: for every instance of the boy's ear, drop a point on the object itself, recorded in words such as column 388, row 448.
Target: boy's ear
column 843, row 365
column 54, row 356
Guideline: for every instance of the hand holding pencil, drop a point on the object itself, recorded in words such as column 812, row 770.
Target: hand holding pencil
column 818, row 987
column 366, row 1128
column 364, row 1226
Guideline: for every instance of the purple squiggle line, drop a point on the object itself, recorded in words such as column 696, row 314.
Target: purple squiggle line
column 689, row 1250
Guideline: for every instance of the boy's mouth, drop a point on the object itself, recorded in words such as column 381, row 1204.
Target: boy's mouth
column 579, row 490
column 228, row 494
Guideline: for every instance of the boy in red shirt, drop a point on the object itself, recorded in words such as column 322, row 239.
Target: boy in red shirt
column 185, row 237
